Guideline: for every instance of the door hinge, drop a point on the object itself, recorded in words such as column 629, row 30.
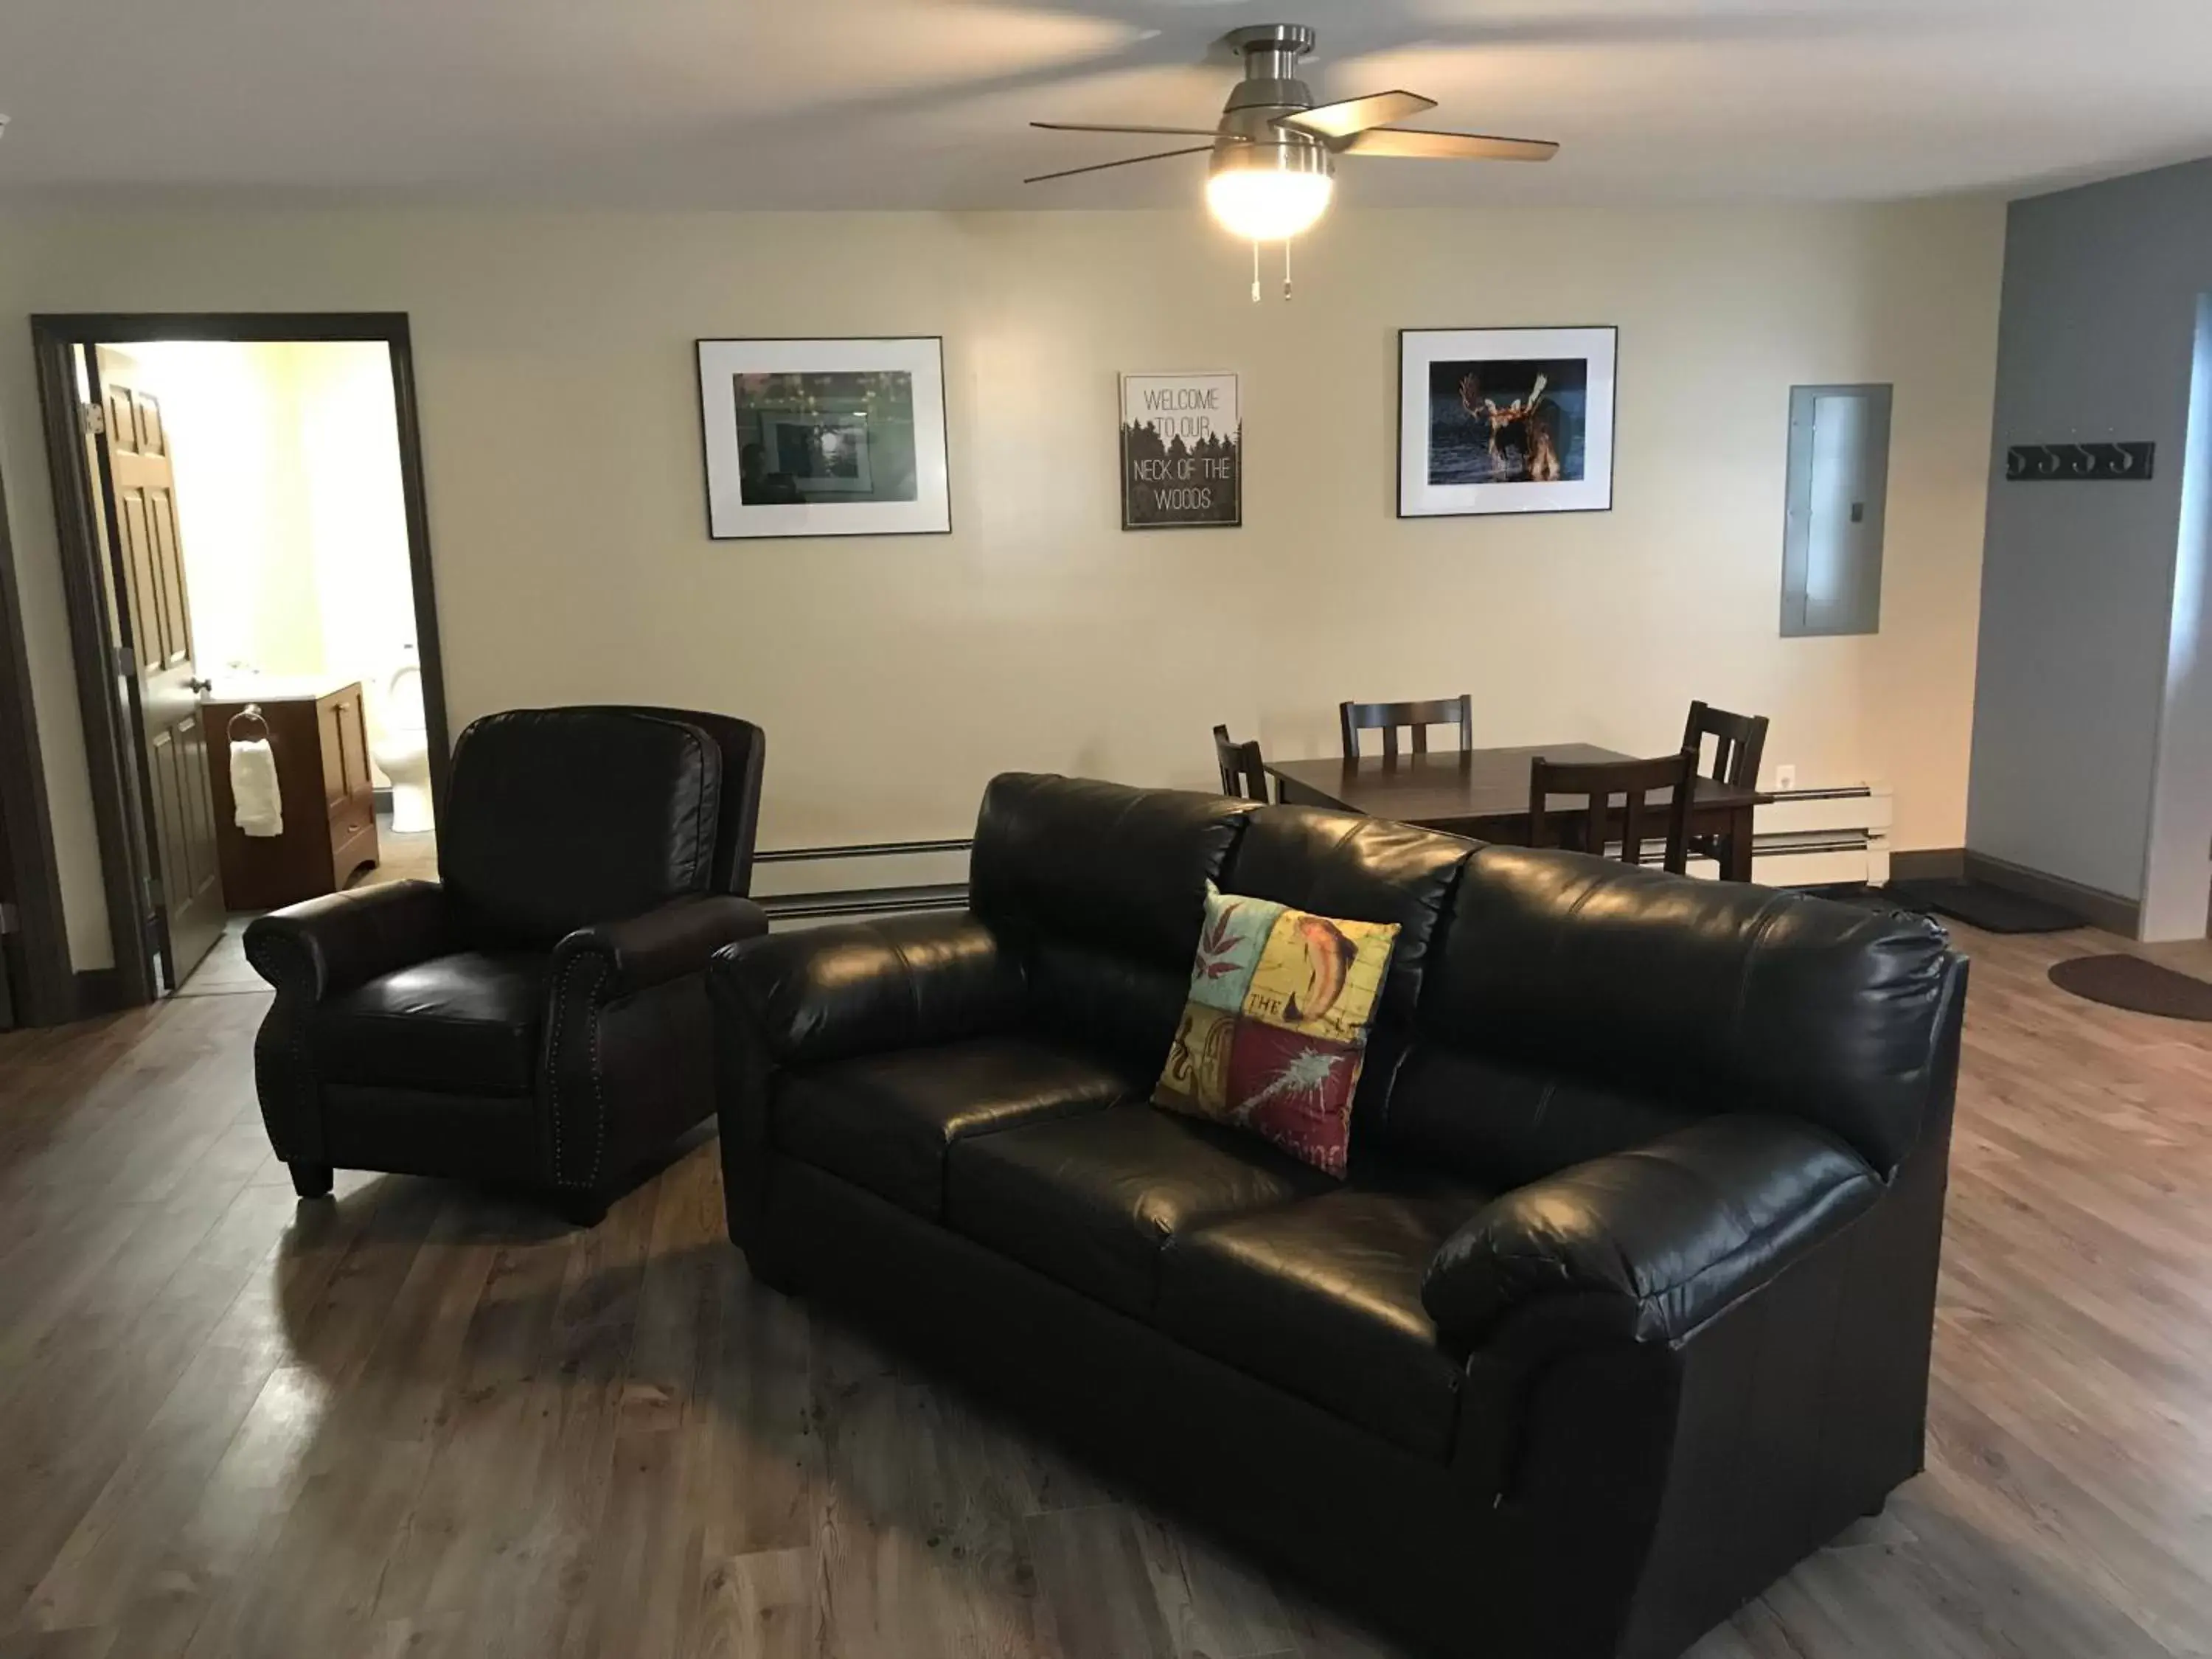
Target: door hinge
column 126, row 663
column 10, row 921
column 93, row 419
column 153, row 893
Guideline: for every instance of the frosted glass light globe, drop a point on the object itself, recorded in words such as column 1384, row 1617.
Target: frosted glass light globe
column 1259, row 205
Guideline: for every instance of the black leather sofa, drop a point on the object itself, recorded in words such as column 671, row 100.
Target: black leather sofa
column 539, row 1015
column 1624, row 1307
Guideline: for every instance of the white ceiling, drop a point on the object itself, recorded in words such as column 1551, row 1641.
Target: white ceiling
column 922, row 103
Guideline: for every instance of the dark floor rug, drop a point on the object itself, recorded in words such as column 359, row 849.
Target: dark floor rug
column 1992, row 910
column 2131, row 982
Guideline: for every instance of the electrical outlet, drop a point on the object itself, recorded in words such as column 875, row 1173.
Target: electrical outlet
column 1785, row 777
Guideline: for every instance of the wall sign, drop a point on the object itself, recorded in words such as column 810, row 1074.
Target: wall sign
column 1182, row 451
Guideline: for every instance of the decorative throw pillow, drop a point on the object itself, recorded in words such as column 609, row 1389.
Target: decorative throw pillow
column 1275, row 1030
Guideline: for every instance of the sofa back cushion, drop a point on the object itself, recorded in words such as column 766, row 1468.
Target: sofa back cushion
column 560, row 818
column 1339, row 864
column 1580, row 1005
column 1101, row 888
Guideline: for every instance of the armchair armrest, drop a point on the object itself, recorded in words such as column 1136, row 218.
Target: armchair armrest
column 661, row 945
column 828, row 993
column 326, row 946
column 1665, row 1235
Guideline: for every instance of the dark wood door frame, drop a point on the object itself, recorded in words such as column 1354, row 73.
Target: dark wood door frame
column 110, row 731
column 36, row 947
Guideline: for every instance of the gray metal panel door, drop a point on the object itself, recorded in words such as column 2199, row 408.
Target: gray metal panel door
column 1839, row 497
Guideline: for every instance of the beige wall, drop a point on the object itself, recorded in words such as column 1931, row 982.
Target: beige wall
column 560, row 420
column 290, row 505
column 356, row 512
column 231, row 412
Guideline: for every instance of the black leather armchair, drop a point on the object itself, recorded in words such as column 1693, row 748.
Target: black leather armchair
column 538, row 1016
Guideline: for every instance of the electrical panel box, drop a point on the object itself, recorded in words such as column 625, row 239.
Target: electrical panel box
column 1839, row 497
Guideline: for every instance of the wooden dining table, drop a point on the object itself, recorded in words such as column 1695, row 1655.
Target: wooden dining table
column 1483, row 793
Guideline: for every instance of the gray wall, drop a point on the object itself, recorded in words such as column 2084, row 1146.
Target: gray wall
column 2092, row 736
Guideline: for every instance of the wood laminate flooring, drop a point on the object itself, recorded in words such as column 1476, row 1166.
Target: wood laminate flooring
column 424, row 1421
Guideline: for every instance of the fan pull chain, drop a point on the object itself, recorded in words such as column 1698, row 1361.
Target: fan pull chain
column 1286, row 269
column 1256, row 273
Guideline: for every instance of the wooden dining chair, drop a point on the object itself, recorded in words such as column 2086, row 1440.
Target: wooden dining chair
column 1388, row 717
column 1243, row 772
column 1596, row 783
column 1739, row 741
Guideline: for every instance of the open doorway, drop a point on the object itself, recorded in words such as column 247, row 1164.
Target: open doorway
column 253, row 603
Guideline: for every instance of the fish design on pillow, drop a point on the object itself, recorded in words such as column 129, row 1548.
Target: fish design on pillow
column 1329, row 955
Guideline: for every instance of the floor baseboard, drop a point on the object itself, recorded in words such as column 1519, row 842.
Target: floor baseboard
column 2099, row 908
column 1929, row 864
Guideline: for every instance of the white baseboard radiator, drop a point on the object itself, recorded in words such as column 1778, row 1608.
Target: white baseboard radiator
column 793, row 884
column 1820, row 838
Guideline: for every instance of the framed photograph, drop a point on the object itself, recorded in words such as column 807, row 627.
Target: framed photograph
column 824, row 437
column 1505, row 419
column 1182, row 453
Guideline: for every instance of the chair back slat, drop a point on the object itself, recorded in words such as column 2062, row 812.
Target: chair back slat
column 1740, row 742
column 1641, row 818
column 1243, row 772
column 1416, row 717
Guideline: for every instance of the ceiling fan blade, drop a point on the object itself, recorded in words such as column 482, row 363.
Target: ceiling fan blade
column 1127, row 162
column 1162, row 132
column 1357, row 114
column 1447, row 146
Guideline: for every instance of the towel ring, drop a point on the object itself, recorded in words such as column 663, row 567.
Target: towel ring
column 250, row 712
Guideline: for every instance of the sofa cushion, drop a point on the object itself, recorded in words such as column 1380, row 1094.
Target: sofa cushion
column 1322, row 1297
column 1275, row 1032
column 469, row 1023
column 1339, row 864
column 1505, row 1125
column 1090, row 1200
column 1115, row 1006
column 1713, row 996
column 1123, row 870
column 1100, row 888
column 886, row 1121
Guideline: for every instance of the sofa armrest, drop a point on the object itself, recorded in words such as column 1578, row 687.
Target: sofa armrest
column 1663, row 1237
column 661, row 945
column 326, row 946
column 827, row 992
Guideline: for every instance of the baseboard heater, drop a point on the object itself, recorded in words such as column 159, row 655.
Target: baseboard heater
column 1818, row 838
column 1803, row 838
column 911, row 876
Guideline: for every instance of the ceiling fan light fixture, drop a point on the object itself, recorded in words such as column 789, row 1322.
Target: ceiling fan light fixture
column 1269, row 192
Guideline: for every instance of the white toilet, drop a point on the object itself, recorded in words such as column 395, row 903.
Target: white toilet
column 402, row 750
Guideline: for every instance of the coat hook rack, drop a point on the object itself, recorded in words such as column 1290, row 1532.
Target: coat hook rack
column 2112, row 463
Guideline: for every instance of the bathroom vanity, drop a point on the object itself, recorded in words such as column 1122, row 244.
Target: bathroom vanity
column 320, row 736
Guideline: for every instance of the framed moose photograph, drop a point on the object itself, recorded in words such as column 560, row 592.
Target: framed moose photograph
column 824, row 437
column 1505, row 419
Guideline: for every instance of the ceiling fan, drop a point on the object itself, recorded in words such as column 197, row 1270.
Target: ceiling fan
column 1275, row 150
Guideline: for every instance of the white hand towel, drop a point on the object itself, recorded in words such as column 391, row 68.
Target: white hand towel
column 259, row 802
